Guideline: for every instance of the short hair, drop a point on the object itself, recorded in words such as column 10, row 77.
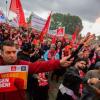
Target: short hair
column 26, row 47
column 7, row 43
column 97, row 65
column 81, row 59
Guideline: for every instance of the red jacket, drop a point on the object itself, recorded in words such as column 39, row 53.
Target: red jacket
column 36, row 67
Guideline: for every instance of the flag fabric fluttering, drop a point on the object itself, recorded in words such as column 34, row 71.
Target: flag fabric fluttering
column 74, row 37
column 53, row 40
column 2, row 17
column 14, row 22
column 45, row 28
column 75, row 34
column 16, row 7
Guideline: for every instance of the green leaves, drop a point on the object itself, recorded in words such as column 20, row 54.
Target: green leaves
column 68, row 21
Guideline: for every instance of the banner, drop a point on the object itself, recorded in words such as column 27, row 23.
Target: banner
column 52, row 32
column 37, row 22
column 60, row 31
column 13, row 77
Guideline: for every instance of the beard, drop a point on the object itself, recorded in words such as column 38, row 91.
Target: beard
column 10, row 61
column 84, row 69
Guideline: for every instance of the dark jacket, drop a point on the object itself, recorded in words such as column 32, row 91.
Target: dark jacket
column 72, row 79
column 22, row 56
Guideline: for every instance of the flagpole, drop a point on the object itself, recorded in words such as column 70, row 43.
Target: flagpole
column 6, row 10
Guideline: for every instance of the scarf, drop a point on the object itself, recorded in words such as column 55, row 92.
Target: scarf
column 51, row 54
column 68, row 91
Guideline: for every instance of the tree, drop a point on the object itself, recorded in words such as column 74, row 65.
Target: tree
column 69, row 22
column 98, row 37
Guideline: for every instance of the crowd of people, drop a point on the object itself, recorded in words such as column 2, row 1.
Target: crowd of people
column 75, row 65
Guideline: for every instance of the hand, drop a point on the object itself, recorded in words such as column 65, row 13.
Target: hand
column 36, row 51
column 93, row 81
column 89, row 39
column 64, row 61
column 85, row 38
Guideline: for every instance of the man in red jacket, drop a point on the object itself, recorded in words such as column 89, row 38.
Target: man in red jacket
column 9, row 57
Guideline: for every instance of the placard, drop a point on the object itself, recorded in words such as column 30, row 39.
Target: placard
column 13, row 77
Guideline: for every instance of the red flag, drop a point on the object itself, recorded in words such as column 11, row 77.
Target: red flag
column 16, row 7
column 45, row 28
column 74, row 36
column 53, row 39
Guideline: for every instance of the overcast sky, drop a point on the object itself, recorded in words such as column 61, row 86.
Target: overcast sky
column 87, row 10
